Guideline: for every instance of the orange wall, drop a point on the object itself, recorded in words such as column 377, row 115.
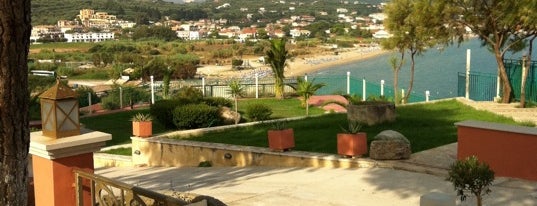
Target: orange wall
column 54, row 180
column 509, row 154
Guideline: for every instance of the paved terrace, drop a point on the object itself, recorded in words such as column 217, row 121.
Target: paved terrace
column 402, row 184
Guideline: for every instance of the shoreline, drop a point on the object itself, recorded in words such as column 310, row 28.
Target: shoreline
column 322, row 62
column 296, row 67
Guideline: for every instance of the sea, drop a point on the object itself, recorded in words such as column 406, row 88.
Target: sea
column 435, row 71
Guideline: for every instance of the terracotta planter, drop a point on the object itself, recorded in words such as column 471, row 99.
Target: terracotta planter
column 352, row 144
column 142, row 129
column 281, row 140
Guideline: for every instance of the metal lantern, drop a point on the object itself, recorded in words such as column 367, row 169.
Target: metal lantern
column 59, row 112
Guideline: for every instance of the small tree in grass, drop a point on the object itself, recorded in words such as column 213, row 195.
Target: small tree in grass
column 236, row 90
column 471, row 175
column 306, row 89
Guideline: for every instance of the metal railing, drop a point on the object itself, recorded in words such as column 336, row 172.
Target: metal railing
column 108, row 192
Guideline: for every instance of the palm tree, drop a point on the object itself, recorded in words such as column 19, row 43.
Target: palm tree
column 236, row 90
column 277, row 57
column 306, row 89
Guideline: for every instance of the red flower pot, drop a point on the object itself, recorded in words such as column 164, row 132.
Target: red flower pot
column 352, row 144
column 281, row 140
column 142, row 129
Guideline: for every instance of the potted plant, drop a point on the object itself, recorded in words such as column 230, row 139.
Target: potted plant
column 352, row 142
column 280, row 138
column 471, row 176
column 142, row 125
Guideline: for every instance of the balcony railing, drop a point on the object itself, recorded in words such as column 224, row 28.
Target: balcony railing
column 108, row 192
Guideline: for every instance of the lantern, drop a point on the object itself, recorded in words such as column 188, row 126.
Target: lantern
column 59, row 112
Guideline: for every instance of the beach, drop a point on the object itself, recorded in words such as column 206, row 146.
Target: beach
column 297, row 66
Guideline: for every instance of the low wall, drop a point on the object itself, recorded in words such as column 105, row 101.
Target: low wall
column 511, row 151
column 179, row 153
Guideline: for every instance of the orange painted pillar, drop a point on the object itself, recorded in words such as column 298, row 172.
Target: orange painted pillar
column 54, row 162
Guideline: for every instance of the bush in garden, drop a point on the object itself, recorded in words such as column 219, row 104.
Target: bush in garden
column 110, row 102
column 83, row 99
column 190, row 93
column 162, row 110
column 471, row 176
column 258, row 112
column 194, row 116
column 217, row 102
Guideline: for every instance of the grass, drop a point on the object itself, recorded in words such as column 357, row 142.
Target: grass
column 118, row 124
column 426, row 126
column 280, row 108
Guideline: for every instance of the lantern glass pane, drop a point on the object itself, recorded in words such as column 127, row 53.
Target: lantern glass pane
column 48, row 121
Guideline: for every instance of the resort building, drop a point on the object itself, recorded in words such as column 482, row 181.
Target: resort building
column 89, row 37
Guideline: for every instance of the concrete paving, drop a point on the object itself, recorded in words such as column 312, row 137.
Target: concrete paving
column 324, row 186
column 311, row 186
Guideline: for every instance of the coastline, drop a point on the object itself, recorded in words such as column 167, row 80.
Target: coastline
column 296, row 67
column 320, row 62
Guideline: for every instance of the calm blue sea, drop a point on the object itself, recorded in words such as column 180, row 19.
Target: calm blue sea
column 436, row 70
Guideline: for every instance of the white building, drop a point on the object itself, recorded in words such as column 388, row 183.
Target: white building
column 89, row 37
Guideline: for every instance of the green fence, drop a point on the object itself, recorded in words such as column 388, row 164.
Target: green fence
column 483, row 85
column 514, row 72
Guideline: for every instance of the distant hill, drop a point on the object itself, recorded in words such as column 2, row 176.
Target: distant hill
column 145, row 11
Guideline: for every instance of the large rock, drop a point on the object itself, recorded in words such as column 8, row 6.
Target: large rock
column 390, row 145
column 230, row 116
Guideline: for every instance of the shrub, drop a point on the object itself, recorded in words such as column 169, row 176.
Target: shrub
column 83, row 99
column 236, row 62
column 162, row 110
column 258, row 112
column 194, row 116
column 471, row 176
column 110, row 102
column 190, row 93
column 218, row 102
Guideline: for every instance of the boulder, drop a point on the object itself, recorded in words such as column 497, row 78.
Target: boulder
column 230, row 116
column 390, row 145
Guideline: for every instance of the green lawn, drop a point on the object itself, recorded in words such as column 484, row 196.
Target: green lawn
column 120, row 126
column 426, row 126
column 280, row 108
column 117, row 124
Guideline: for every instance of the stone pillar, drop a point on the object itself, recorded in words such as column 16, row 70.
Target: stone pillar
column 53, row 162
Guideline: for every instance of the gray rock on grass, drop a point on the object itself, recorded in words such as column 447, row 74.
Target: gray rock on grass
column 390, row 145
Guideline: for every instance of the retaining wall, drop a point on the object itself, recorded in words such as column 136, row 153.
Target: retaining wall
column 511, row 151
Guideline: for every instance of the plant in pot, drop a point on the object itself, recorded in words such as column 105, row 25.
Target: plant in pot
column 280, row 138
column 352, row 142
column 142, row 125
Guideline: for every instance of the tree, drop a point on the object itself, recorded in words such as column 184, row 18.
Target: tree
column 530, row 20
column 236, row 90
column 277, row 58
column 498, row 24
column 471, row 175
column 15, row 27
column 415, row 26
column 306, row 89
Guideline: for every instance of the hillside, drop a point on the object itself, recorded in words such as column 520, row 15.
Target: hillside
column 144, row 11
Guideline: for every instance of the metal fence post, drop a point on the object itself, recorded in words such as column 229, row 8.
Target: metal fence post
column 382, row 87
column 427, row 94
column 256, row 85
column 467, row 94
column 89, row 101
column 152, row 91
column 403, row 96
column 120, row 97
column 203, row 86
column 348, row 82
column 363, row 89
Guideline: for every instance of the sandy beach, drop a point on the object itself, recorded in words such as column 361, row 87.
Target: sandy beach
column 298, row 66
